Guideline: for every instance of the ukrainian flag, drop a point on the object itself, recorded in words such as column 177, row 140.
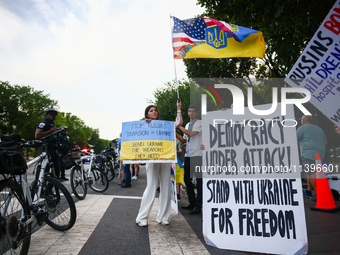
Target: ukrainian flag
column 210, row 38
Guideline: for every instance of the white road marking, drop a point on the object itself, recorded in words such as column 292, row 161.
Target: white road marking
column 128, row 197
column 89, row 213
column 175, row 238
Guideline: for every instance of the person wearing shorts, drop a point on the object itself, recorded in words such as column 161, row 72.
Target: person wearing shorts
column 312, row 140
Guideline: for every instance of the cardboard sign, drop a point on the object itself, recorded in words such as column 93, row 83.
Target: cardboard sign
column 252, row 194
column 317, row 69
column 152, row 142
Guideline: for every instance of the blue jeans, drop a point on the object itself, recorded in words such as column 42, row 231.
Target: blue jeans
column 189, row 166
column 126, row 168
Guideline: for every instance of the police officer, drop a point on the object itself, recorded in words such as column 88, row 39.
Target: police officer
column 45, row 128
column 64, row 147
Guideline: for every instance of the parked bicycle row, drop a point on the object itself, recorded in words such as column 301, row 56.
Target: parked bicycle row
column 25, row 205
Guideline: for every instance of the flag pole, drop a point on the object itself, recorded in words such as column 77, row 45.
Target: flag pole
column 174, row 60
column 176, row 79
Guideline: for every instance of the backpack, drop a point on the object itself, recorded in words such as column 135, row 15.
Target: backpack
column 11, row 159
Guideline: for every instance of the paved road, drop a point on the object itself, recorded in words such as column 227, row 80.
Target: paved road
column 106, row 225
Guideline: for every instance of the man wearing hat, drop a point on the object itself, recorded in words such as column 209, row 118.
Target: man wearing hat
column 45, row 128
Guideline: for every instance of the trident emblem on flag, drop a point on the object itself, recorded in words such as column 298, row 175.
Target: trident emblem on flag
column 216, row 38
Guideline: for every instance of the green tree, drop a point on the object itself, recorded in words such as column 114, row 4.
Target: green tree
column 166, row 98
column 287, row 27
column 78, row 132
column 101, row 145
column 21, row 109
column 98, row 143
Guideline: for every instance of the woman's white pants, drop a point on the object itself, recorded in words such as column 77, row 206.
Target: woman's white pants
column 153, row 171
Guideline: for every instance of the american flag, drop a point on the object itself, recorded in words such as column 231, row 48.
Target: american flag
column 193, row 30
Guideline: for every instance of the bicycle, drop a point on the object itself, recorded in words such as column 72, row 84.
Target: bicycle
column 107, row 162
column 93, row 177
column 46, row 200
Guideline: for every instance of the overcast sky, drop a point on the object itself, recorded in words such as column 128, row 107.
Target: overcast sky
column 100, row 59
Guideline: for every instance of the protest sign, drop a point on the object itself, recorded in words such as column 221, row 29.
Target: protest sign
column 317, row 69
column 252, row 193
column 152, row 142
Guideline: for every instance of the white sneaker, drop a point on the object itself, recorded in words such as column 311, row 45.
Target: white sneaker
column 134, row 178
column 164, row 222
column 142, row 223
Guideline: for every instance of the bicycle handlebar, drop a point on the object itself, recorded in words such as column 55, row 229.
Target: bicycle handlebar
column 31, row 144
column 45, row 139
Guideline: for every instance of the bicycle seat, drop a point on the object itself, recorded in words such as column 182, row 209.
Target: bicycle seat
column 9, row 138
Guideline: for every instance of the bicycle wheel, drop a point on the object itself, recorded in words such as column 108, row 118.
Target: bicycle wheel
column 109, row 171
column 117, row 167
column 78, row 184
column 15, row 235
column 58, row 204
column 98, row 180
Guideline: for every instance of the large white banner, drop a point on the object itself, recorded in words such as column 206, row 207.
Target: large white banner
column 252, row 193
column 318, row 68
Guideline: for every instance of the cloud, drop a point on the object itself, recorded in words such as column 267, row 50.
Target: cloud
column 100, row 59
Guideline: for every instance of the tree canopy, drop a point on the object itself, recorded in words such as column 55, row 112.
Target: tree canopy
column 22, row 108
column 166, row 98
column 287, row 27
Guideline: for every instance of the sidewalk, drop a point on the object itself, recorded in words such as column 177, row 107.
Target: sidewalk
column 323, row 229
column 112, row 229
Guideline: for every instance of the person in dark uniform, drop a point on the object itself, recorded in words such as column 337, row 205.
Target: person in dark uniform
column 45, row 128
column 64, row 146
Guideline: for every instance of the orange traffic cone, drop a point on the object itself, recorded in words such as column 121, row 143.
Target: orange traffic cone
column 324, row 198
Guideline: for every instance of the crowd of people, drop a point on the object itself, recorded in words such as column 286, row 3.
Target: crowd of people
column 311, row 139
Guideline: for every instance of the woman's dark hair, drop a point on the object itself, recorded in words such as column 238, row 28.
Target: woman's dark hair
column 147, row 111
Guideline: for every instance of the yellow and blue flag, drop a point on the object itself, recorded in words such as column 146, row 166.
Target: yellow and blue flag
column 211, row 38
column 148, row 142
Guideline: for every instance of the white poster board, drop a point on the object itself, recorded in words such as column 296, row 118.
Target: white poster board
column 317, row 69
column 242, row 208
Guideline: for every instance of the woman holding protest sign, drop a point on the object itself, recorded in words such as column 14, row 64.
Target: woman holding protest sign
column 155, row 171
